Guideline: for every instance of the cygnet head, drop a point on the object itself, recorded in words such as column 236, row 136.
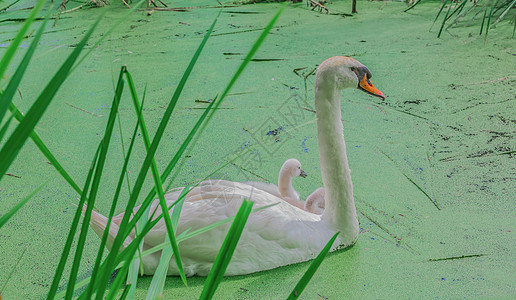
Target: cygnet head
column 292, row 167
column 344, row 72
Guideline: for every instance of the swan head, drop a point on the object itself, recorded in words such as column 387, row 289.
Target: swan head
column 344, row 72
column 292, row 167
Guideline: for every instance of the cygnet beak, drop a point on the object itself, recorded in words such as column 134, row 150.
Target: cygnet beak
column 303, row 174
column 366, row 86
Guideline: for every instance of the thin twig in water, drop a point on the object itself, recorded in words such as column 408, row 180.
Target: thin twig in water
column 456, row 257
column 412, row 181
column 126, row 4
column 5, row 8
column 251, row 172
column 456, row 157
column 180, row 9
column 81, row 109
column 309, row 109
column 14, row 268
column 12, row 175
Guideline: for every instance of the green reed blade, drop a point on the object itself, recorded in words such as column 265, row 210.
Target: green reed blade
column 5, row 217
column 147, row 163
column 483, row 20
column 412, row 6
column 509, row 7
column 125, row 292
column 7, row 96
column 4, row 128
column 457, row 9
column 444, row 21
column 158, row 280
column 171, row 165
column 118, row 91
column 514, row 27
column 132, row 275
column 45, row 151
column 303, row 282
column 95, row 185
column 158, row 187
column 129, row 251
column 237, row 74
column 17, row 139
column 489, row 19
column 11, row 50
column 226, row 250
column 73, row 229
column 439, row 13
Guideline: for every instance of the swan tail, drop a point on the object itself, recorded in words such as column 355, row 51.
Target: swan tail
column 98, row 223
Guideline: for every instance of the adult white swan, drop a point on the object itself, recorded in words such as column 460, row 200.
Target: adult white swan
column 291, row 168
column 282, row 234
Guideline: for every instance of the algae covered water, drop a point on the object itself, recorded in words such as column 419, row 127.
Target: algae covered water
column 432, row 165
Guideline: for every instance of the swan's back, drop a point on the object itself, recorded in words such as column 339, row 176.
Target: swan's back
column 273, row 237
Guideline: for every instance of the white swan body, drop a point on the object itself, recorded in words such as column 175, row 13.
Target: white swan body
column 282, row 234
column 284, row 190
column 315, row 202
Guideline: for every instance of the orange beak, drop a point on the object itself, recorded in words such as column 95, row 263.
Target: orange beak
column 366, row 86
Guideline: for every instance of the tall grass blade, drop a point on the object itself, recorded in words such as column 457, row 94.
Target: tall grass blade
column 512, row 5
column 226, row 251
column 158, row 280
column 132, row 275
column 7, row 96
column 73, row 229
column 5, row 217
column 173, row 162
column 439, row 13
column 45, row 151
column 303, row 282
column 444, row 21
column 118, row 189
column 483, row 21
column 145, row 167
column 412, row 6
column 171, row 165
column 125, row 293
column 11, row 50
column 159, row 188
column 457, row 10
column 126, row 252
column 12, row 270
column 183, row 236
column 16, row 141
column 4, row 128
column 489, row 19
column 95, row 185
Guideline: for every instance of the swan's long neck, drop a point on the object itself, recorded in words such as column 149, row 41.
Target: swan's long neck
column 340, row 211
column 285, row 185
